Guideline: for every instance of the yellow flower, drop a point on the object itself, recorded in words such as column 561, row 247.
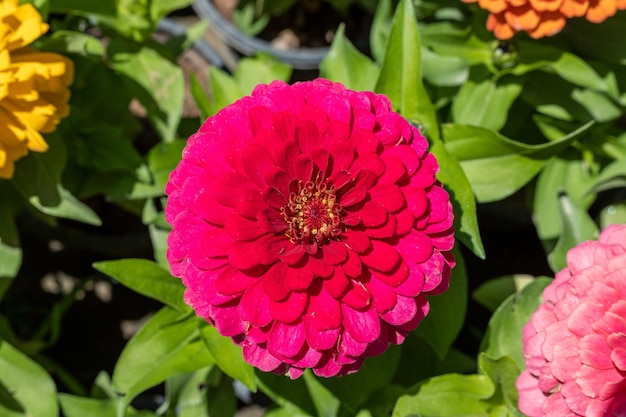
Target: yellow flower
column 33, row 85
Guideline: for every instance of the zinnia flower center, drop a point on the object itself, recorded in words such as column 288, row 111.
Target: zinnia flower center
column 312, row 213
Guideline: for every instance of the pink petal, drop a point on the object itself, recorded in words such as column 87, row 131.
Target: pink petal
column 351, row 347
column 240, row 228
column 389, row 196
column 353, row 267
column 334, row 252
column 383, row 297
column 275, row 282
column 337, row 283
column 298, row 278
column 394, row 170
column 231, row 281
column 363, row 326
column 594, row 351
column 260, row 358
column 403, row 311
column 356, row 295
column 285, row 340
column 255, row 305
column 386, row 230
column 290, row 309
column 356, row 241
column 382, row 256
column 227, row 319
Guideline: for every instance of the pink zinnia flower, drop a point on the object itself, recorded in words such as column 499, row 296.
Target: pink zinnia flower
column 575, row 343
column 309, row 227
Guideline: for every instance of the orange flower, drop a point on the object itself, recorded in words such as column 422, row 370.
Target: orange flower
column 541, row 18
column 33, row 85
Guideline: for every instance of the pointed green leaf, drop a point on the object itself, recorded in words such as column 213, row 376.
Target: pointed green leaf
column 448, row 308
column 228, row 356
column 224, row 89
column 503, row 373
column 463, row 202
column 157, row 82
column 263, row 68
column 401, row 74
column 146, row 278
column 504, row 332
column 167, row 344
column 485, row 100
column 447, row 396
column 568, row 172
column 27, row 382
column 345, row 64
column 492, row 293
column 497, row 166
column 577, row 227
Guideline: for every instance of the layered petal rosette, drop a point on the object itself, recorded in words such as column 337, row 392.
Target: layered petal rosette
column 575, row 343
column 33, row 85
column 541, row 18
column 309, row 227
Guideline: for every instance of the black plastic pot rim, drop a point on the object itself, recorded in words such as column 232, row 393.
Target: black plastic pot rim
column 303, row 58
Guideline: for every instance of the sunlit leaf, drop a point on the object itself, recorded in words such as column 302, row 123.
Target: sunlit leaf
column 29, row 384
column 228, row 356
column 577, row 227
column 447, row 396
column 448, row 308
column 146, row 278
column 345, row 64
column 504, row 332
column 167, row 344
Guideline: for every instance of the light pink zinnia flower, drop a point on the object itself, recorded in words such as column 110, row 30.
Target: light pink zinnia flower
column 308, row 226
column 575, row 343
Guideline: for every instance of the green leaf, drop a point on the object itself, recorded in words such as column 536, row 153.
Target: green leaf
column 10, row 250
column 504, row 332
column 503, row 373
column 69, row 207
column 199, row 96
column 263, row 68
column 577, row 227
column 167, row 344
column 493, row 292
column 379, row 31
column 224, row 89
column 27, row 382
column 599, row 105
column 228, row 356
column 497, row 166
column 345, row 64
column 485, row 100
column 37, row 178
column 611, row 177
column 568, row 66
column 462, row 197
column 107, row 8
column 326, row 403
column 157, row 83
column 444, row 71
column 554, row 97
column 107, row 150
column 401, row 74
column 447, row 395
column 448, row 308
column 161, row 8
column 568, row 172
column 288, row 394
column 602, row 42
column 74, row 406
column 146, row 278
column 448, row 39
column 65, row 41
column 375, row 374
